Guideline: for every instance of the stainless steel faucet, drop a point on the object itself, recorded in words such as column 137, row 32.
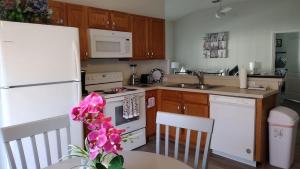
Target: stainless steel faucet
column 199, row 75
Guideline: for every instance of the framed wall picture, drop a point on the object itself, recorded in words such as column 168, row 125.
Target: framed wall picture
column 215, row 45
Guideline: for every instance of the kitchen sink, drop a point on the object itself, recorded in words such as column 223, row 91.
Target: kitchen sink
column 190, row 86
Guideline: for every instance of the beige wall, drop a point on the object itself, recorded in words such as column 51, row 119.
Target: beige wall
column 111, row 65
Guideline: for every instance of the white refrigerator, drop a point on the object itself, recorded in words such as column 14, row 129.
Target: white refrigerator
column 39, row 78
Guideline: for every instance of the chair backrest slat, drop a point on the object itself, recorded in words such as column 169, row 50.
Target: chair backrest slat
column 167, row 141
column 176, row 143
column 47, row 146
column 157, row 138
column 58, row 140
column 207, row 145
column 18, row 132
column 197, row 151
column 10, row 155
column 21, row 153
column 187, row 145
column 190, row 123
column 35, row 152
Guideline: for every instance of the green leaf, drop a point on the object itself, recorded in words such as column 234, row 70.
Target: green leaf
column 116, row 163
column 100, row 166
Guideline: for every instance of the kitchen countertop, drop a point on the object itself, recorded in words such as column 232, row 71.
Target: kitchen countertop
column 217, row 90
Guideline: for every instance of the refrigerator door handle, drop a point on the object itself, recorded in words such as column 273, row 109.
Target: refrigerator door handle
column 77, row 62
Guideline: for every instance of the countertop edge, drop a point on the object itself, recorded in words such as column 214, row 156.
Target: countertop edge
column 247, row 95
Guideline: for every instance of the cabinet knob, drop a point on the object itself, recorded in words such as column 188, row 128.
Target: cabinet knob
column 152, row 53
column 61, row 21
column 148, row 53
column 107, row 22
column 114, row 23
column 178, row 107
column 86, row 53
column 184, row 108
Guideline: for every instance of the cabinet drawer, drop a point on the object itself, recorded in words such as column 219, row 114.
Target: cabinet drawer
column 197, row 98
column 171, row 95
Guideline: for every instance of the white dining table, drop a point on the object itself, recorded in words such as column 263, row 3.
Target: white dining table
column 133, row 160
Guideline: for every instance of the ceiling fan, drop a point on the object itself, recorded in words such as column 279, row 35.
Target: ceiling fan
column 222, row 11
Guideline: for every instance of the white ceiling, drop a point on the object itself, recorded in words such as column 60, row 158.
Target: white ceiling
column 153, row 8
column 176, row 9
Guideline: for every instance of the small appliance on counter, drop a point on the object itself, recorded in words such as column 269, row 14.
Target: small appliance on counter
column 133, row 80
column 146, row 79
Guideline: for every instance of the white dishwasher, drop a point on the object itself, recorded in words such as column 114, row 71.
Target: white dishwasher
column 234, row 128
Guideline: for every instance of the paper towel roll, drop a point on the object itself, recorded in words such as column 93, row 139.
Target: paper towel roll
column 243, row 78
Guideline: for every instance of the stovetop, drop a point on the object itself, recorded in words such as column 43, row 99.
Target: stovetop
column 118, row 92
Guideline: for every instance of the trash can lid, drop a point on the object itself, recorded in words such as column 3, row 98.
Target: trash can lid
column 283, row 116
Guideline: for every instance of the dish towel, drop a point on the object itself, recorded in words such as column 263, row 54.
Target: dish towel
column 130, row 107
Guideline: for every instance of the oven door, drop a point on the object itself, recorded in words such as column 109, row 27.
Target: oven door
column 114, row 108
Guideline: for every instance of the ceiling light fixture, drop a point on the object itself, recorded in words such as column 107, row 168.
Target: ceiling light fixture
column 222, row 11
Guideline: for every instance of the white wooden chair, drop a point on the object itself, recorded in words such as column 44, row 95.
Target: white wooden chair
column 18, row 132
column 187, row 122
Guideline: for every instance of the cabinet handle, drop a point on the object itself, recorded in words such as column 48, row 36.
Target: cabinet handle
column 114, row 23
column 178, row 107
column 152, row 53
column 107, row 22
column 61, row 21
column 86, row 53
column 184, row 108
column 148, row 53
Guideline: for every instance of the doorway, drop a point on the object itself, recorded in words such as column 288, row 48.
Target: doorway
column 287, row 63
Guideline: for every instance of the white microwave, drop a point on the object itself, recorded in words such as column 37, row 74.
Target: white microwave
column 110, row 44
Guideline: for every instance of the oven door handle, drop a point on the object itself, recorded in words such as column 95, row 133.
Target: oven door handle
column 115, row 99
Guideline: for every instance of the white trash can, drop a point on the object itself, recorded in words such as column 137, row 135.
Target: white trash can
column 283, row 123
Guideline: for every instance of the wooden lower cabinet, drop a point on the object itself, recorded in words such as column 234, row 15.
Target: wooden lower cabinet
column 151, row 114
column 194, row 104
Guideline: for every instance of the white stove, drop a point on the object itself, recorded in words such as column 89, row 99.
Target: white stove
column 110, row 86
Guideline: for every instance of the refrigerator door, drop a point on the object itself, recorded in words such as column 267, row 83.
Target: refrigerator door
column 26, row 104
column 38, row 54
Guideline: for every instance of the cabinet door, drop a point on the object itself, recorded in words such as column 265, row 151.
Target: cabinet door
column 77, row 17
column 58, row 16
column 140, row 37
column 150, row 114
column 157, row 38
column 199, row 110
column 99, row 18
column 171, row 107
column 120, row 21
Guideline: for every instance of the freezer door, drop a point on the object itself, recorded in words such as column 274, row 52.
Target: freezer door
column 26, row 104
column 36, row 54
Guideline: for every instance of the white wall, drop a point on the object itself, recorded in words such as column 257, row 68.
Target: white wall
column 250, row 25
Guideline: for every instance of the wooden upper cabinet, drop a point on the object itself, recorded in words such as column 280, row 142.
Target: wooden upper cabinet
column 120, row 21
column 77, row 17
column 99, row 18
column 58, row 16
column 148, row 38
column 110, row 20
column 157, row 38
column 140, row 37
